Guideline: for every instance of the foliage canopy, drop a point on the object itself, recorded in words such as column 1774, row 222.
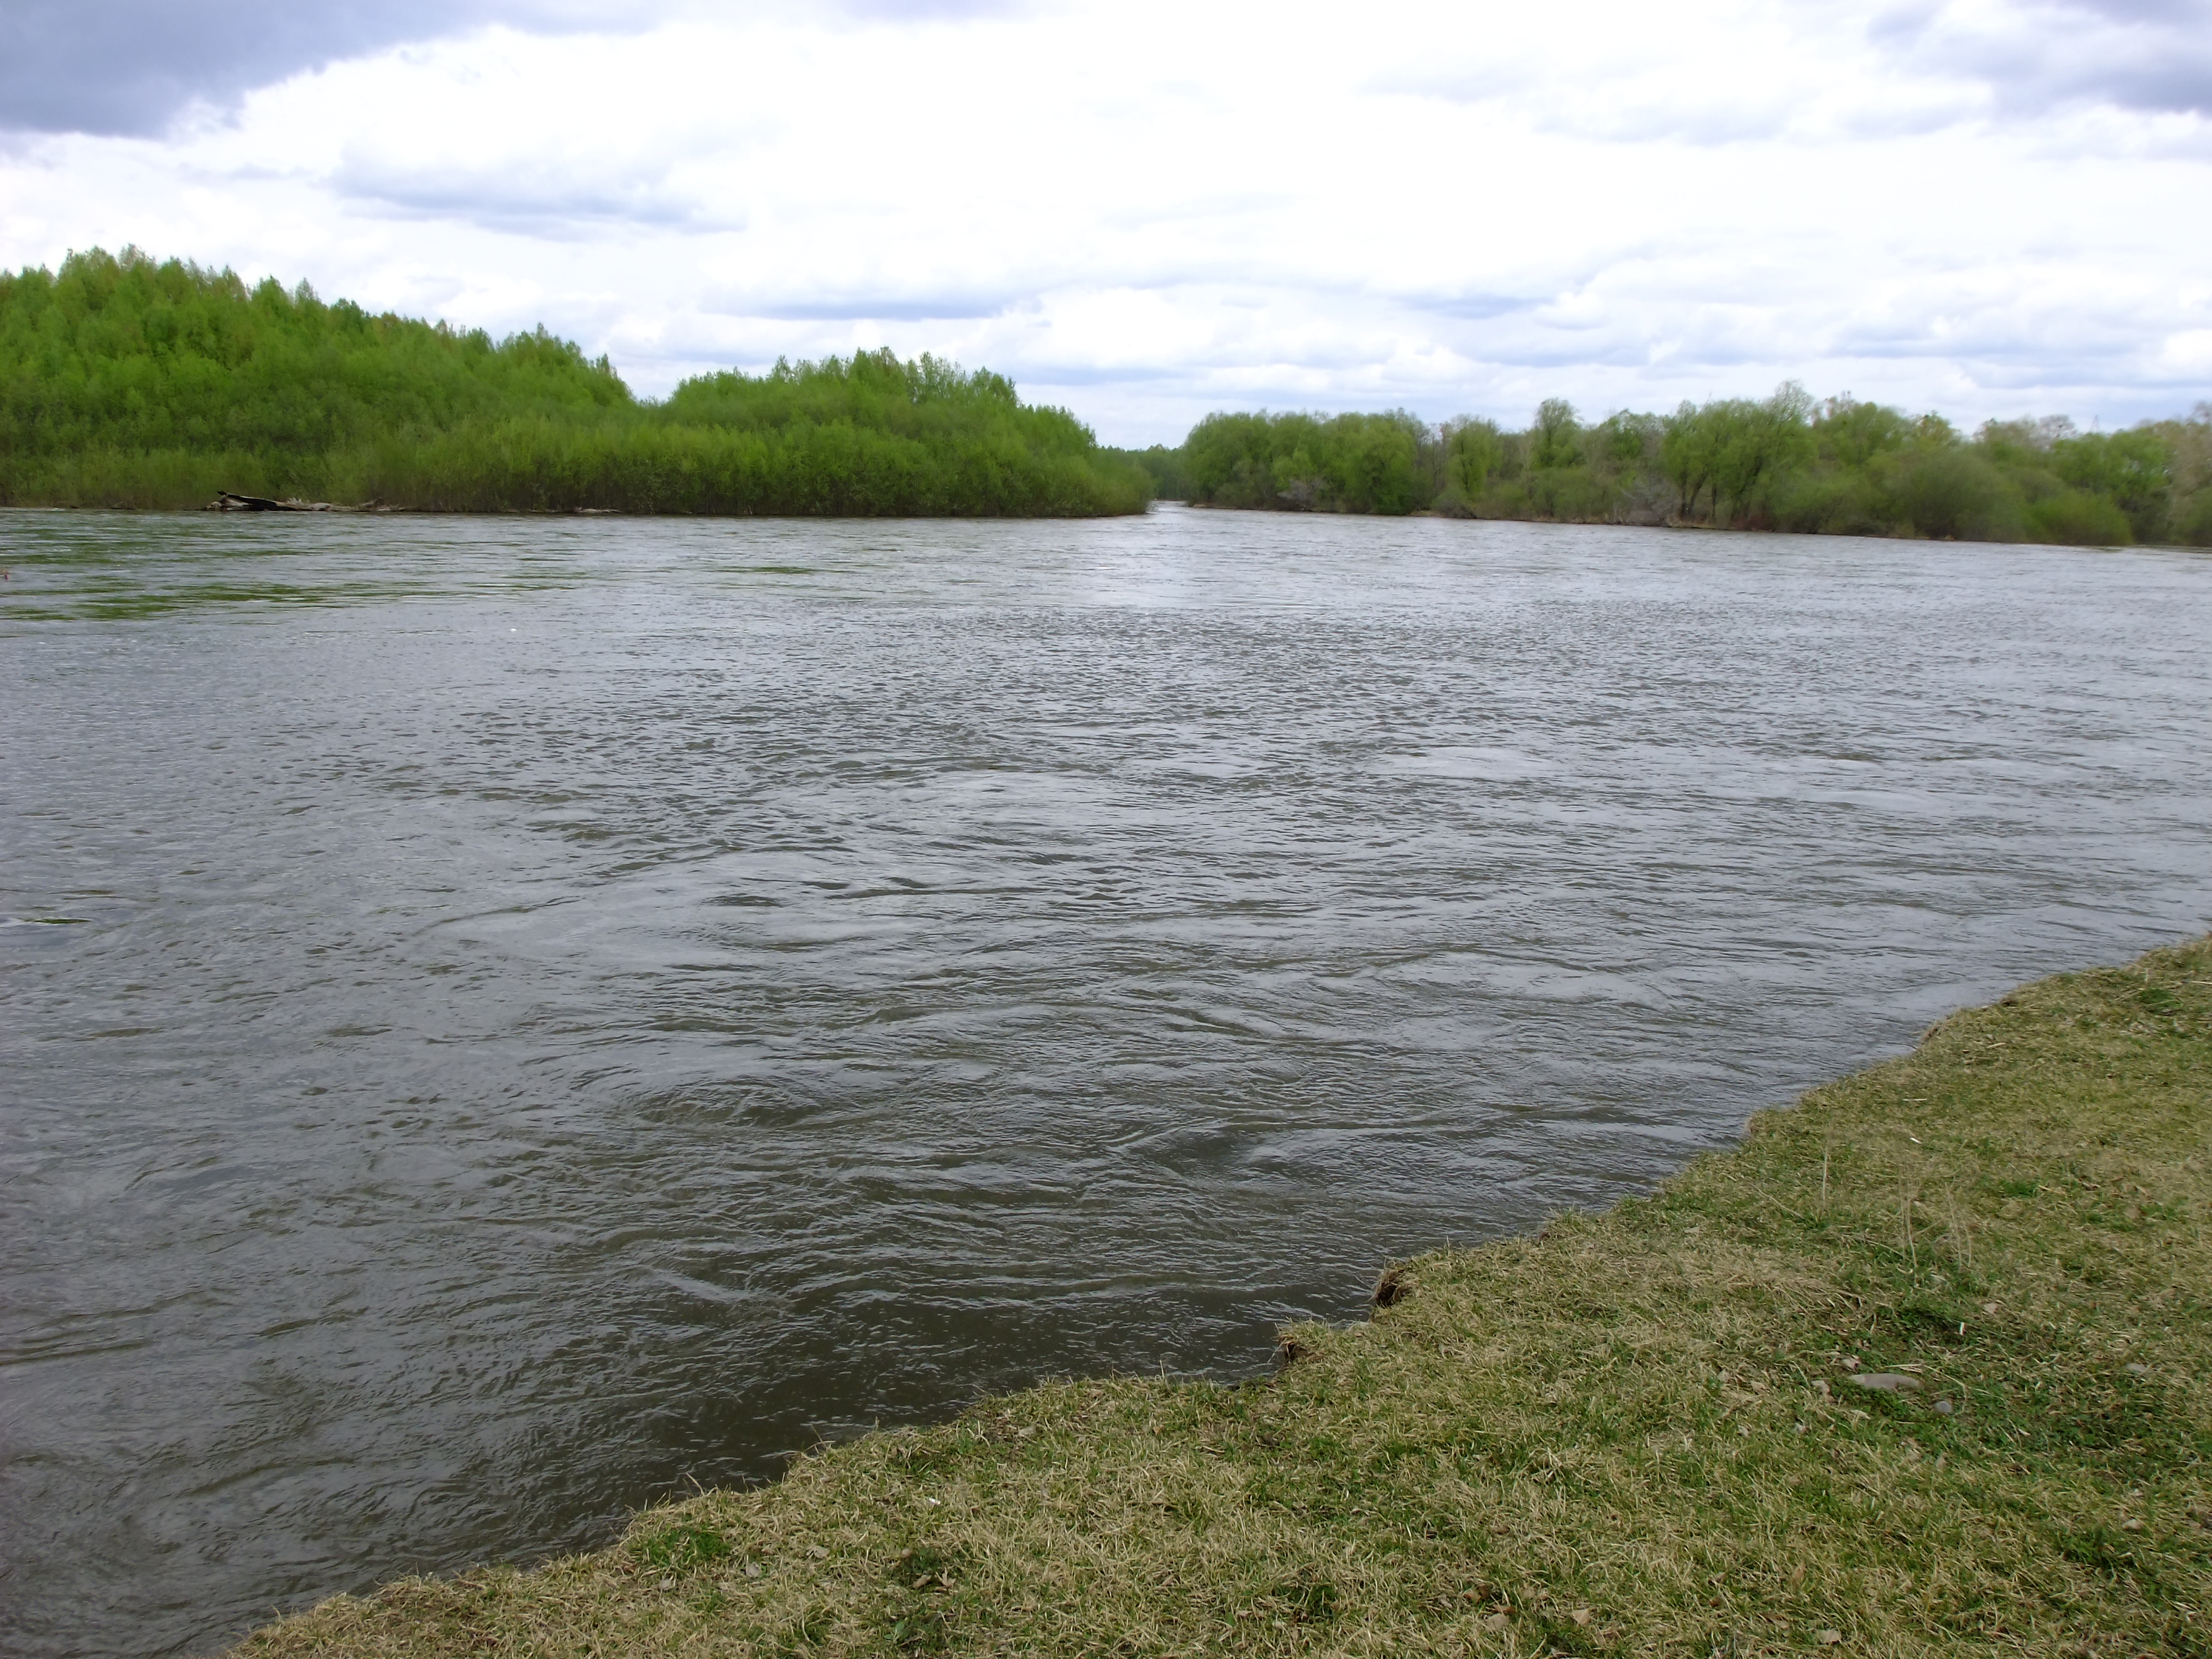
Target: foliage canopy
column 1783, row 462
column 128, row 383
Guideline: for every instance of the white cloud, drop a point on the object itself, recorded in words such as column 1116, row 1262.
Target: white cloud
column 1146, row 211
column 2186, row 358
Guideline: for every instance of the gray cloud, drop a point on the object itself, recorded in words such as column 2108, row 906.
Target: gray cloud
column 559, row 204
column 130, row 67
column 1475, row 307
column 927, row 307
column 1042, row 375
column 2149, row 56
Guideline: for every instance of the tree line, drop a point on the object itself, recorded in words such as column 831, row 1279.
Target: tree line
column 125, row 382
column 1841, row 467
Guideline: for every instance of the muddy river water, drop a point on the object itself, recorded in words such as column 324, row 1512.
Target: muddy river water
column 504, row 1018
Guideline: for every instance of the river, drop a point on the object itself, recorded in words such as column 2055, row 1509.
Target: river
column 504, row 1018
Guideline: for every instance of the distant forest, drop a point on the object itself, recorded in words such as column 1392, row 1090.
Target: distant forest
column 128, row 383
column 1840, row 467
column 125, row 382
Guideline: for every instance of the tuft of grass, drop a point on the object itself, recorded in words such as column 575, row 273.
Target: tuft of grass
column 1635, row 1433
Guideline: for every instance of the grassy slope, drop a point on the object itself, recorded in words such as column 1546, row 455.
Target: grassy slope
column 1631, row 1434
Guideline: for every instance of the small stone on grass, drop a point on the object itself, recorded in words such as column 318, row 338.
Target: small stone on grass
column 1885, row 1381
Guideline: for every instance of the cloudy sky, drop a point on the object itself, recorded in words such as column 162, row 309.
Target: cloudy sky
column 1146, row 210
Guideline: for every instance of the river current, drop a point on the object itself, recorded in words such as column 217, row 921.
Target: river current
column 505, row 1018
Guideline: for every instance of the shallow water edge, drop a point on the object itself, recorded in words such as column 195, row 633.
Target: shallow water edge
column 1553, row 1441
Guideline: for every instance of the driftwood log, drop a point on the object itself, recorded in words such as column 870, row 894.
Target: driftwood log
column 229, row 500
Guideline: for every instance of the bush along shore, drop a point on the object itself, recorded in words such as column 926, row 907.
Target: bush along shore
column 132, row 384
column 1925, row 1367
column 1785, row 463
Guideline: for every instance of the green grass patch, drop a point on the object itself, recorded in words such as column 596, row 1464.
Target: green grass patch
column 1638, row 1432
column 680, row 1548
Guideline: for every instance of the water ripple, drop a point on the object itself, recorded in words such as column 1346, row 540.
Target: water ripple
column 505, row 1016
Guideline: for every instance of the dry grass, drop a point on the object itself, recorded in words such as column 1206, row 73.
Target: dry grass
column 1634, row 1433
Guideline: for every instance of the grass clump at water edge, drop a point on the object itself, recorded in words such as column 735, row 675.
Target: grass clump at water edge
column 1636, row 1432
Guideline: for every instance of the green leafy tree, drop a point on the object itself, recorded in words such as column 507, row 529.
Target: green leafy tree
column 1472, row 451
column 1345, row 463
column 2132, row 470
column 1556, row 439
column 1690, row 449
column 2189, row 443
column 126, row 382
column 1758, row 446
column 1851, row 435
column 1625, row 444
column 1944, row 489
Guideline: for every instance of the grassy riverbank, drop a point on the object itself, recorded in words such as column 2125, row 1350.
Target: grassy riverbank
column 1636, row 1432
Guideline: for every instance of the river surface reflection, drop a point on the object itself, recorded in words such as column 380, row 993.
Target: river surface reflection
column 507, row 1017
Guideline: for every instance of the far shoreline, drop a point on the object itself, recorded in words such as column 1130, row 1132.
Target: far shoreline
column 1428, row 514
